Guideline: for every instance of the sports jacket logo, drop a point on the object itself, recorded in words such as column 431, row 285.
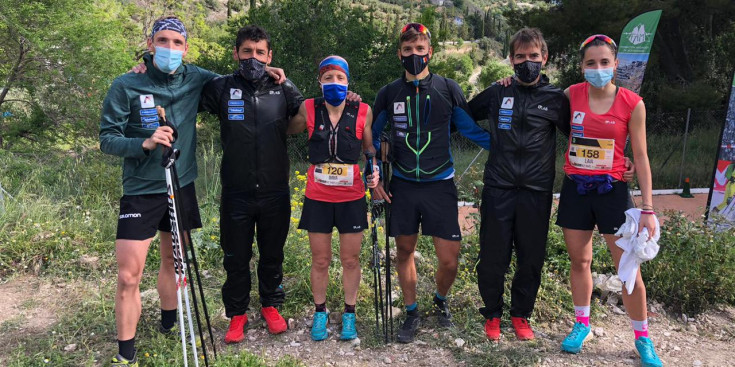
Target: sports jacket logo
column 399, row 107
column 146, row 101
column 235, row 93
column 507, row 102
column 130, row 215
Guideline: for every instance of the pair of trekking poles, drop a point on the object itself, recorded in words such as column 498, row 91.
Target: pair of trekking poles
column 183, row 257
column 383, row 301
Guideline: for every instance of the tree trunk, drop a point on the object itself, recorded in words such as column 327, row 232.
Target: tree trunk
column 22, row 51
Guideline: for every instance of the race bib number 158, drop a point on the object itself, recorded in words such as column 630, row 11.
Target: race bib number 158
column 592, row 153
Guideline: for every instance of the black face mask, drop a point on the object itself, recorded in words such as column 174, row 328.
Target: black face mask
column 252, row 69
column 527, row 71
column 415, row 64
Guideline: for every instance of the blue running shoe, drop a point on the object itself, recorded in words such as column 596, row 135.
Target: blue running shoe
column 573, row 342
column 348, row 326
column 645, row 349
column 319, row 326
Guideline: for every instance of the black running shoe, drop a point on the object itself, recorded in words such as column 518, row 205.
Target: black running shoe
column 162, row 329
column 407, row 332
column 443, row 316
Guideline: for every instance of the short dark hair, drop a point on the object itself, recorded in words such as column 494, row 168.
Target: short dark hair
column 411, row 35
column 252, row 33
column 597, row 42
column 528, row 36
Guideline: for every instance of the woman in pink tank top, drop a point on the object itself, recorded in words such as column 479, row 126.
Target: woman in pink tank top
column 603, row 116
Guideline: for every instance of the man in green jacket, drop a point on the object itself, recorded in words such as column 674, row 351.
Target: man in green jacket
column 130, row 128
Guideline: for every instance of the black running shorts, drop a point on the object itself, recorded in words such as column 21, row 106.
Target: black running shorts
column 583, row 212
column 433, row 204
column 321, row 216
column 141, row 215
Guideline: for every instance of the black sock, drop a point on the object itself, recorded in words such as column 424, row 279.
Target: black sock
column 321, row 307
column 168, row 318
column 414, row 312
column 349, row 308
column 126, row 348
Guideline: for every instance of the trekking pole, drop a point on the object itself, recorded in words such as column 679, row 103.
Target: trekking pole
column 375, row 208
column 384, row 148
column 204, row 304
column 180, row 261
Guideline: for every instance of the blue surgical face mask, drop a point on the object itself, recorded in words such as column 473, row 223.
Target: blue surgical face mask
column 167, row 60
column 599, row 77
column 334, row 93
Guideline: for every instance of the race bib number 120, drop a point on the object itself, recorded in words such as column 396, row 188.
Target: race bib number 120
column 592, row 153
column 332, row 174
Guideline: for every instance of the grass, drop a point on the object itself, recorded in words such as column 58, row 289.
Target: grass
column 65, row 206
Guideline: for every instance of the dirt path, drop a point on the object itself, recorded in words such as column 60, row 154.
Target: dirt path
column 475, row 74
column 27, row 306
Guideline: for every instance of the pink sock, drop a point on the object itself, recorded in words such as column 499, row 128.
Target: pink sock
column 640, row 328
column 583, row 314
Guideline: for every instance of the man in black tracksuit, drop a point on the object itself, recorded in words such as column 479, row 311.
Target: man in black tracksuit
column 254, row 114
column 519, row 177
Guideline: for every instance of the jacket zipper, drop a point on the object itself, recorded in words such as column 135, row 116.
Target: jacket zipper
column 418, row 134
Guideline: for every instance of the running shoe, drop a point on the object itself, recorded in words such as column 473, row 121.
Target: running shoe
column 276, row 323
column 522, row 328
column 319, row 326
column 235, row 331
column 645, row 349
column 573, row 342
column 443, row 316
column 407, row 332
column 348, row 326
column 163, row 330
column 492, row 329
column 120, row 361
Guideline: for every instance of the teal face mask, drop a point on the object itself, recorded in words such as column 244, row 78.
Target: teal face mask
column 167, row 60
column 599, row 77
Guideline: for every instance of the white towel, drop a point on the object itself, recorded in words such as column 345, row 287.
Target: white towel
column 637, row 248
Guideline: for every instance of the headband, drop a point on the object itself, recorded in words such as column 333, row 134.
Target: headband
column 334, row 63
column 170, row 24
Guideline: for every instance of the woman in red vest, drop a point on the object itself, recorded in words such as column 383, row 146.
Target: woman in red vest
column 339, row 132
column 594, row 193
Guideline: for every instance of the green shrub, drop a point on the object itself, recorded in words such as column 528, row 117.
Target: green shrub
column 493, row 71
column 695, row 268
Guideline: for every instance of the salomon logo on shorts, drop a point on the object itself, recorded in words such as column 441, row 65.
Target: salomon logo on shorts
column 130, row 215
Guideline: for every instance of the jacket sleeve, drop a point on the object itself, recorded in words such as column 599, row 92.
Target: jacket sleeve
column 462, row 118
column 115, row 117
column 480, row 105
column 294, row 98
column 563, row 123
column 209, row 100
column 380, row 118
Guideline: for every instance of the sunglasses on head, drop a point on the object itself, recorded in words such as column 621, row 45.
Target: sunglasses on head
column 601, row 37
column 418, row 27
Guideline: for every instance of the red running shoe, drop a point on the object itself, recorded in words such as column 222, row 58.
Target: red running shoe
column 492, row 329
column 522, row 327
column 235, row 332
column 276, row 323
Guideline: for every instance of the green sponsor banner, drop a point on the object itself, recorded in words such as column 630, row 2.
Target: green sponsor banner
column 633, row 49
column 637, row 37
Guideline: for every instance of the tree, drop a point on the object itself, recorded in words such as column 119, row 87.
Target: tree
column 55, row 57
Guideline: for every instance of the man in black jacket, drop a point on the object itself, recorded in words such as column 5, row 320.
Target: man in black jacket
column 254, row 113
column 519, row 177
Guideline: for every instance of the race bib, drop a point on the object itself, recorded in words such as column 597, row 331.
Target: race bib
column 334, row 174
column 590, row 153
